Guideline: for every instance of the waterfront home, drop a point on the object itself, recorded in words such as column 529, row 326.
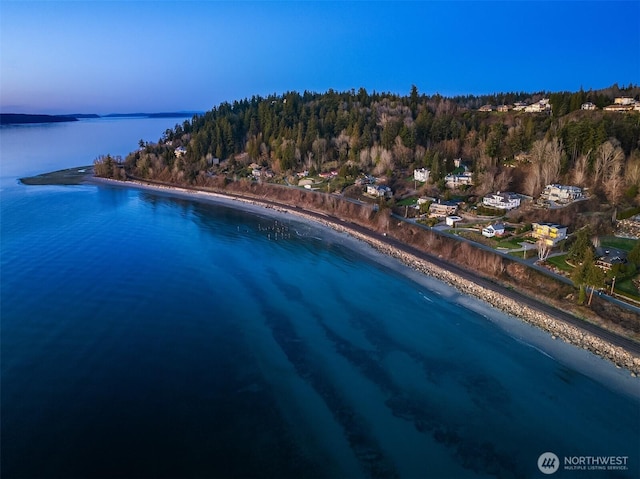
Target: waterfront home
column 457, row 180
column 608, row 258
column 490, row 231
column 560, row 194
column 379, row 191
column 550, row 233
column 442, row 209
column 504, row 201
column 421, row 174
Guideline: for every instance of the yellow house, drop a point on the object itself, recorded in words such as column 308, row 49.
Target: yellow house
column 551, row 233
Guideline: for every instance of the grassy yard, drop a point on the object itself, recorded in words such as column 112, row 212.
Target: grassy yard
column 627, row 286
column 407, row 202
column 625, row 244
column 509, row 244
column 560, row 263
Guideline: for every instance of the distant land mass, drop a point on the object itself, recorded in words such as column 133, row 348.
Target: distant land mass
column 175, row 114
column 21, row 118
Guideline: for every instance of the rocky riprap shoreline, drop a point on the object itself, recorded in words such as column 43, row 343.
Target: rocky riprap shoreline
column 558, row 329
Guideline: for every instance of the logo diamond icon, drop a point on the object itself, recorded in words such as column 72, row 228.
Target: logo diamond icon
column 548, row 463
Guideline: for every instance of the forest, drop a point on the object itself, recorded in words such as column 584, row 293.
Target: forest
column 388, row 135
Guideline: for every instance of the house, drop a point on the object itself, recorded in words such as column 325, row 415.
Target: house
column 486, row 108
column 442, row 209
column 539, row 106
column 550, row 233
column 503, row 108
column 181, row 150
column 490, row 231
column 328, row 174
column 379, row 191
column 560, row 194
column 503, row 201
column 425, row 199
column 519, row 106
column 608, row 258
column 619, row 107
column 623, row 100
column 457, row 180
column 421, row 174
column 452, row 220
column 588, row 106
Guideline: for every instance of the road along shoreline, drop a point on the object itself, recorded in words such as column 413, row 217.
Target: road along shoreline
column 558, row 328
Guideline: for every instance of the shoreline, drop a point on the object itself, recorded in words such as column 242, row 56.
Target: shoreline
column 557, row 328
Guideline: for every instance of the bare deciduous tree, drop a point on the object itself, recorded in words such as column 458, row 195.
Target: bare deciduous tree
column 551, row 161
column 580, row 171
column 608, row 153
column 613, row 181
column 544, row 249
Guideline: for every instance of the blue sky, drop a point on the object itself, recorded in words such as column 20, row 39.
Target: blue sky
column 125, row 56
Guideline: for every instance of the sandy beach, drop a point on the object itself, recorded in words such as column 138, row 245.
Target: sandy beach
column 563, row 341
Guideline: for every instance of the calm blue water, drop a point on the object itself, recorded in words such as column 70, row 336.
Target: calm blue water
column 150, row 336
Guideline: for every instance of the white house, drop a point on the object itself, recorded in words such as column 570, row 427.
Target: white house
column 503, row 201
column 588, row 106
column 486, row 108
column 519, row 106
column 456, row 181
column 421, row 174
column 181, row 150
column 540, row 106
column 493, row 230
column 561, row 194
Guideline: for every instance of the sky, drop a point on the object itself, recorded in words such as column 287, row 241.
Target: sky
column 156, row 56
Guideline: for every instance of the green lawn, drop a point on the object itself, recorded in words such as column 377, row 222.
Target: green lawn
column 509, row 244
column 559, row 262
column 626, row 286
column 626, row 244
column 407, row 202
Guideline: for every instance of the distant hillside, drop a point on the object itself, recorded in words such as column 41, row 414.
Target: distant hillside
column 19, row 118
column 176, row 114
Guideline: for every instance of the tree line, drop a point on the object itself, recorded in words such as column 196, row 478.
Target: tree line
column 389, row 134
